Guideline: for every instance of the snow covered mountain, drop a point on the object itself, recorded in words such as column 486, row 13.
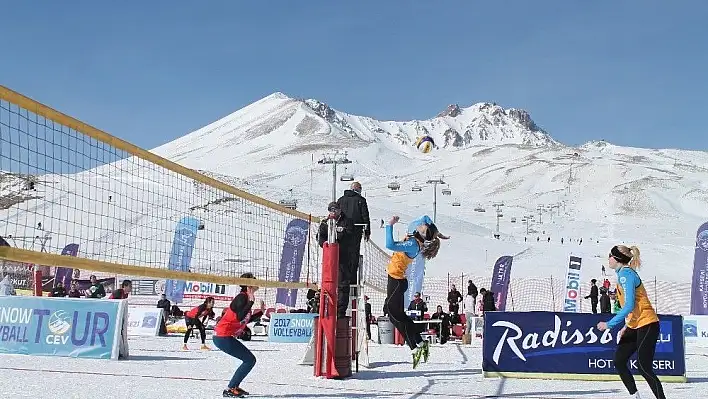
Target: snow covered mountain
column 487, row 154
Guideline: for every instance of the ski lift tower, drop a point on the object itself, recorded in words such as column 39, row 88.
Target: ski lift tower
column 435, row 183
column 498, row 206
column 334, row 159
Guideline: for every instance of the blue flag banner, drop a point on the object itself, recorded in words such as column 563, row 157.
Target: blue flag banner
column 64, row 275
column 61, row 326
column 181, row 256
column 501, row 276
column 294, row 242
column 569, row 346
column 699, row 284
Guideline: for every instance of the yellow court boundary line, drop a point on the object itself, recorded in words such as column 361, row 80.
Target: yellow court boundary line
column 35, row 107
column 46, row 259
column 575, row 377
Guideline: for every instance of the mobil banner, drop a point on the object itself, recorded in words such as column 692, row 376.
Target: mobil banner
column 568, row 345
column 61, row 327
column 199, row 290
column 291, row 327
column 144, row 321
column 571, row 302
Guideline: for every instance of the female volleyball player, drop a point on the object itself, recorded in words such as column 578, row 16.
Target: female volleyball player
column 424, row 240
column 197, row 318
column 229, row 327
column 642, row 324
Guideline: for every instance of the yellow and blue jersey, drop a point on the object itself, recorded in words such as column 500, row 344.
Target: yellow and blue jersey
column 637, row 310
column 404, row 253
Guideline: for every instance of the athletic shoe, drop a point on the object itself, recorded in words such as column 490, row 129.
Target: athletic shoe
column 184, row 347
column 233, row 393
column 426, row 350
column 417, row 353
column 205, row 348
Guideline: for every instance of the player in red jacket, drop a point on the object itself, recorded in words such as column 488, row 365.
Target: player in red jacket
column 197, row 318
column 229, row 327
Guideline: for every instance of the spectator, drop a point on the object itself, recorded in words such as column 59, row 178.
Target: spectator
column 368, row 316
column 606, row 284
column 96, row 290
column 313, row 304
column 311, row 295
column 74, row 291
column 469, row 306
column 479, row 307
column 488, row 304
column 356, row 211
column 6, row 287
column 165, row 305
column 453, row 299
column 593, row 295
column 122, row 293
column 442, row 329
column 604, row 301
column 418, row 305
column 58, row 290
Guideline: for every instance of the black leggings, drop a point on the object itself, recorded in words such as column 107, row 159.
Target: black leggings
column 191, row 323
column 642, row 341
column 393, row 307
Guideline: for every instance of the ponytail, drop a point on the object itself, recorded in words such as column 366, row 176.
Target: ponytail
column 636, row 261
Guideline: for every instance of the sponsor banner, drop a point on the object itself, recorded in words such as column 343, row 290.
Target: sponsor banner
column 550, row 343
column 21, row 274
column 296, row 234
column 699, row 284
column 144, row 321
column 695, row 328
column 220, row 292
column 181, row 255
column 500, row 281
column 571, row 302
column 61, row 327
column 291, row 327
column 148, row 287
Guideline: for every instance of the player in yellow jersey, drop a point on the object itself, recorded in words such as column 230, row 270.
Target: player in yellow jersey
column 424, row 240
column 641, row 329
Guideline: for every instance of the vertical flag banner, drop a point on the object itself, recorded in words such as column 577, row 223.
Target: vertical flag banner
column 64, row 274
column 291, row 259
column 181, row 256
column 500, row 281
column 571, row 302
column 414, row 275
column 699, row 284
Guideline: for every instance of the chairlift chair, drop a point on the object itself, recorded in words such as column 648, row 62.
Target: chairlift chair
column 446, row 191
column 456, row 203
column 346, row 176
column 394, row 186
column 289, row 203
column 416, row 188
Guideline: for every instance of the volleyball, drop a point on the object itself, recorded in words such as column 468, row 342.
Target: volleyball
column 425, row 144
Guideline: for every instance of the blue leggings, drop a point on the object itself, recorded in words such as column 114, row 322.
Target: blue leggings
column 235, row 348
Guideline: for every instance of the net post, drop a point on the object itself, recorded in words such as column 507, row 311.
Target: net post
column 325, row 340
column 37, row 280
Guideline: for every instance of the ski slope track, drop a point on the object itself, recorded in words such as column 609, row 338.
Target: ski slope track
column 603, row 193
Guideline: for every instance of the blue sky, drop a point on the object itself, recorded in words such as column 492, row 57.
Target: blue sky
column 632, row 72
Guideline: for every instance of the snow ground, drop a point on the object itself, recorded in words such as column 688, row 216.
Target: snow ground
column 157, row 369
